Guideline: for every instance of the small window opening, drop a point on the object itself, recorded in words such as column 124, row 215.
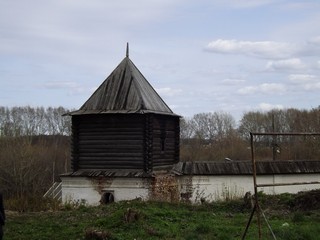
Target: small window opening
column 107, row 197
column 163, row 140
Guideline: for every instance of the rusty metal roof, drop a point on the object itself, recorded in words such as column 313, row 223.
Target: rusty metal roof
column 126, row 90
column 245, row 167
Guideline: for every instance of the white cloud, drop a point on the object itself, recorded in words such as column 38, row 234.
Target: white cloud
column 287, row 64
column 315, row 40
column 232, row 81
column 60, row 85
column 247, row 90
column 72, row 88
column 80, row 90
column 82, row 41
column 65, row 29
column 246, row 3
column 168, row 91
column 266, row 49
column 312, row 86
column 172, row 107
column 272, row 88
column 306, row 81
column 266, row 88
column 268, row 106
column 302, row 78
column 262, row 49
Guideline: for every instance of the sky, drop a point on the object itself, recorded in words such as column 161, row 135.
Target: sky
column 231, row 56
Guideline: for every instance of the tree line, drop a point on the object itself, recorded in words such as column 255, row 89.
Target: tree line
column 29, row 121
column 216, row 136
column 34, row 145
column 35, row 150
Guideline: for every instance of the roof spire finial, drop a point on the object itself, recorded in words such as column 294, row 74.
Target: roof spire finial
column 127, row 51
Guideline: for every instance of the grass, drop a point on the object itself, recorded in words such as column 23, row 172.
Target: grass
column 159, row 220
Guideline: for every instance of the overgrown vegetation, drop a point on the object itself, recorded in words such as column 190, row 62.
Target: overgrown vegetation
column 35, row 149
column 34, row 145
column 215, row 136
column 160, row 220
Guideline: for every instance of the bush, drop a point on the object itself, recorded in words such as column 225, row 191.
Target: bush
column 32, row 204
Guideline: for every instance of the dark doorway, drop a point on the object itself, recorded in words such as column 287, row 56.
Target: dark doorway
column 107, row 197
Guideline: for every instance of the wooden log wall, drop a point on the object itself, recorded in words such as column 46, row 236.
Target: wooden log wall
column 74, row 145
column 124, row 141
column 148, row 139
column 108, row 141
column 165, row 140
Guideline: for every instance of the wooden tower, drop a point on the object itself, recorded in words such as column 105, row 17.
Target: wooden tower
column 124, row 125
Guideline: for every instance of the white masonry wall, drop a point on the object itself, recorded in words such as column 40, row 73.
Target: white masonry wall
column 194, row 188
column 89, row 191
column 214, row 188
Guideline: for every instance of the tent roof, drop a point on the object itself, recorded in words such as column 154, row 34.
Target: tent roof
column 126, row 90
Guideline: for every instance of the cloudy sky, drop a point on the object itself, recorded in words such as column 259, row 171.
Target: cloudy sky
column 201, row 56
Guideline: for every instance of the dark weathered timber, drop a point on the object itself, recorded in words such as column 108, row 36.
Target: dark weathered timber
column 148, row 143
column 116, row 149
column 165, row 151
column 177, row 140
column 124, row 125
column 129, row 141
column 104, row 144
column 112, row 155
column 116, row 161
column 108, row 173
column 125, row 90
column 115, row 164
column 130, row 148
column 75, row 145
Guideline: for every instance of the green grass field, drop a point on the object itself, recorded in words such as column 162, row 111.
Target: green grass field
column 158, row 220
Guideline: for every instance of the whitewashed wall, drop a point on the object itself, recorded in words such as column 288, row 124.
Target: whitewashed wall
column 213, row 188
column 85, row 189
column 208, row 188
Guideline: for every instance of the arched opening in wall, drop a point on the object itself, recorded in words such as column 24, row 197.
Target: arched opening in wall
column 107, row 197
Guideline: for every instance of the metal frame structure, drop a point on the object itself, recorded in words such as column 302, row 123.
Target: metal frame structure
column 257, row 207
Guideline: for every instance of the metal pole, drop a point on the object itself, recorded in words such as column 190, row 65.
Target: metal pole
column 269, row 226
column 284, row 134
column 254, row 171
column 273, row 140
column 249, row 222
column 287, row 184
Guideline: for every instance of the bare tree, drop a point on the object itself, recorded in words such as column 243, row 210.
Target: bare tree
column 283, row 121
column 32, row 141
column 208, row 134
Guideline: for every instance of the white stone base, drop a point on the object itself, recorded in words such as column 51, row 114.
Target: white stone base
column 90, row 190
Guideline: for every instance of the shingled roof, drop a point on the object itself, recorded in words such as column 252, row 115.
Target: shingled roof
column 126, row 90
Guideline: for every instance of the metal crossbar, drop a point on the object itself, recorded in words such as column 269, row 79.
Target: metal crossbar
column 257, row 207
